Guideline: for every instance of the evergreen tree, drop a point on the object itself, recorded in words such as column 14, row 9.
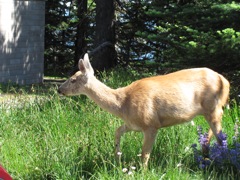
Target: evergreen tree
column 173, row 33
column 60, row 32
column 104, row 56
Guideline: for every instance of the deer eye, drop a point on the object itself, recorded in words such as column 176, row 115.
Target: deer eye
column 73, row 80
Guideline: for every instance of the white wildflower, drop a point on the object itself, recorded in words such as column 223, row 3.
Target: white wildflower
column 179, row 165
column 119, row 153
column 133, row 168
column 130, row 173
column 187, row 149
column 124, row 170
column 192, row 123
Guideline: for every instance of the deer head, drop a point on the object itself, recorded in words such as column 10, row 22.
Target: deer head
column 77, row 83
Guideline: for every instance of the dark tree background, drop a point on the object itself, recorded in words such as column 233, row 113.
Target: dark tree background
column 105, row 57
column 160, row 36
column 82, row 27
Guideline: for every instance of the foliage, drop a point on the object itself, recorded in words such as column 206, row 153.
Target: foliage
column 59, row 36
column 173, row 34
column 195, row 34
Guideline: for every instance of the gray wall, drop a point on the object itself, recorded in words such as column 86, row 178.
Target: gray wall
column 22, row 41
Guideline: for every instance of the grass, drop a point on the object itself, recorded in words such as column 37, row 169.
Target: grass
column 45, row 136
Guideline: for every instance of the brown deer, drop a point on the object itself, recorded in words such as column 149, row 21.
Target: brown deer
column 155, row 102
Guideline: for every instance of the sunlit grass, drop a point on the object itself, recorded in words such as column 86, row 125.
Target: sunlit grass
column 53, row 137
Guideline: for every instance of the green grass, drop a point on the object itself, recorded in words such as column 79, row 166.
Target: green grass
column 53, row 137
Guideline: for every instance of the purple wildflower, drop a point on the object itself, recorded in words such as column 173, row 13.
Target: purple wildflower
column 219, row 154
column 223, row 138
column 203, row 139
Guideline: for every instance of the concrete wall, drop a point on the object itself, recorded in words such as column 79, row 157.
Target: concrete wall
column 22, row 41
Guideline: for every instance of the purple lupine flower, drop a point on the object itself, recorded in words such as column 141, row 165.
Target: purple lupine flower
column 203, row 162
column 220, row 155
column 234, row 157
column 203, row 141
column 237, row 145
column 194, row 146
column 223, row 138
column 202, row 166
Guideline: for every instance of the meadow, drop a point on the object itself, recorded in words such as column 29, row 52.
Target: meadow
column 46, row 136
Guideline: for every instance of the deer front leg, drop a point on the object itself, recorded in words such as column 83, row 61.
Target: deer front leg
column 119, row 132
column 149, row 139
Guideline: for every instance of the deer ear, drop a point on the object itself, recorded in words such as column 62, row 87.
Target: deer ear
column 85, row 66
column 81, row 66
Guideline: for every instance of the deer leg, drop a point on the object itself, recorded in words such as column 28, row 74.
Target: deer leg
column 119, row 132
column 149, row 139
column 210, row 133
column 214, row 120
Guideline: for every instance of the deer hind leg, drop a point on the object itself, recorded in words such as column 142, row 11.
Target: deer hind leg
column 214, row 120
column 119, row 132
column 149, row 139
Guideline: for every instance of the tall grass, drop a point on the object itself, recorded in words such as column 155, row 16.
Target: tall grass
column 53, row 137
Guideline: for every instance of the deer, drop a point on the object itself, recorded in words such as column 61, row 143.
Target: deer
column 151, row 103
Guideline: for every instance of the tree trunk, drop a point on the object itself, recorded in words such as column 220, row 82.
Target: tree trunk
column 81, row 30
column 105, row 58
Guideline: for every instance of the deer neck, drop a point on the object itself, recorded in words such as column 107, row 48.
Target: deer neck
column 106, row 97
